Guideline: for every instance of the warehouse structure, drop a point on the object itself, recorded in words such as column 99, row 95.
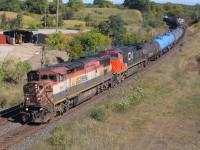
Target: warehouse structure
column 30, row 36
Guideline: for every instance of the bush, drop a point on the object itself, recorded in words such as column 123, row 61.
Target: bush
column 69, row 15
column 93, row 41
column 129, row 101
column 107, row 4
column 3, row 102
column 98, row 114
column 136, row 96
column 32, row 24
column 129, row 38
column 57, row 41
column 74, row 49
column 12, row 72
column 122, row 106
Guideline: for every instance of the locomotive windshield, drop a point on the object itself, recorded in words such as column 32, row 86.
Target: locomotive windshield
column 50, row 77
column 114, row 56
column 33, row 76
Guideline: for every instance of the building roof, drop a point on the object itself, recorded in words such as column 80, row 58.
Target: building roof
column 51, row 31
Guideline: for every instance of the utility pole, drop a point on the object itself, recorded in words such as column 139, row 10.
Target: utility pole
column 57, row 12
column 45, row 16
column 43, row 56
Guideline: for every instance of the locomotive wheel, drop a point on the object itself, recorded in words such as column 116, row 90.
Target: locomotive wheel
column 145, row 63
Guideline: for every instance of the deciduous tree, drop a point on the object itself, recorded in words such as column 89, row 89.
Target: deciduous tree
column 116, row 28
column 141, row 5
column 53, row 7
column 74, row 49
column 93, row 41
column 98, row 2
column 106, row 4
column 57, row 41
column 75, row 5
column 36, row 6
column 11, row 5
column 19, row 21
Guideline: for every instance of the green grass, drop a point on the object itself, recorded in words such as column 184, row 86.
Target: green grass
column 132, row 18
column 98, row 114
column 102, row 14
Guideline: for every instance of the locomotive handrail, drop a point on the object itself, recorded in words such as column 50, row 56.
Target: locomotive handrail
column 50, row 101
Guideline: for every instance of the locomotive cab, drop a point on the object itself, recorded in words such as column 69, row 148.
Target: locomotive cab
column 116, row 60
column 38, row 96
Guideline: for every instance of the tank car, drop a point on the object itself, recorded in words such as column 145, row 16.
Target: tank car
column 177, row 34
column 51, row 91
column 165, row 41
column 151, row 50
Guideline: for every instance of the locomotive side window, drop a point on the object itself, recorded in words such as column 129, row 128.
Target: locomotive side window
column 114, row 56
column 106, row 62
column 52, row 77
column 79, row 68
column 70, row 71
column 61, row 77
column 44, row 77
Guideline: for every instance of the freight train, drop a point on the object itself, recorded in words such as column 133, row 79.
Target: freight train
column 53, row 90
column 174, row 22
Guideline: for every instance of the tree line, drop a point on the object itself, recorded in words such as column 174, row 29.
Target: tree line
column 104, row 35
column 43, row 6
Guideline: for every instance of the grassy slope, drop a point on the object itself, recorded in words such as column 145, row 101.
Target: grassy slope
column 101, row 14
column 131, row 17
column 12, row 15
column 168, row 116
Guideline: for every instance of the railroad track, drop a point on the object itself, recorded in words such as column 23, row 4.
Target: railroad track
column 12, row 137
column 10, row 114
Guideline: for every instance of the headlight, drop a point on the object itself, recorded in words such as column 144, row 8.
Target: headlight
column 27, row 98
column 26, row 109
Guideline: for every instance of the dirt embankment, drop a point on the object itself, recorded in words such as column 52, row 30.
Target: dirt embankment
column 50, row 57
column 32, row 54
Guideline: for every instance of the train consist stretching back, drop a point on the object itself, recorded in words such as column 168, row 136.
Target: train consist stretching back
column 53, row 90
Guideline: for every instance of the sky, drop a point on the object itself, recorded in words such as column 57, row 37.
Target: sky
column 187, row 2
